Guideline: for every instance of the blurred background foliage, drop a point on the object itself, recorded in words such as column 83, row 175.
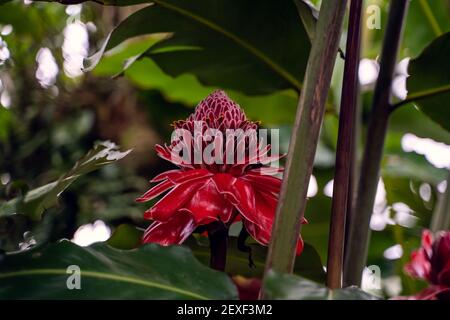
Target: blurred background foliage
column 52, row 113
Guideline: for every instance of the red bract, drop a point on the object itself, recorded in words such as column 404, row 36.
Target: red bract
column 420, row 266
column 200, row 193
column 431, row 262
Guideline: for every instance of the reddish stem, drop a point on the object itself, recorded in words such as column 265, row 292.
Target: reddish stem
column 344, row 157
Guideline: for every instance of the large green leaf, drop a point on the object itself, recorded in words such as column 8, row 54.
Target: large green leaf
column 233, row 44
column 430, row 77
column 35, row 201
column 290, row 287
column 188, row 90
column 307, row 265
column 150, row 272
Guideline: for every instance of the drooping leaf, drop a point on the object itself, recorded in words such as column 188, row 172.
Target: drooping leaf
column 150, row 272
column 115, row 61
column 429, row 75
column 291, row 287
column 233, row 44
column 35, row 201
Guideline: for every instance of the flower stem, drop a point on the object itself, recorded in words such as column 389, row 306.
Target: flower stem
column 359, row 233
column 218, row 243
column 304, row 138
column 342, row 194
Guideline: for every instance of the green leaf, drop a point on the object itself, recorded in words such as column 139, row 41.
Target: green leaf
column 426, row 19
column 225, row 43
column 411, row 165
column 308, row 264
column 37, row 200
column 291, row 287
column 408, row 119
column 150, row 272
column 406, row 190
column 30, row 22
column 187, row 90
column 115, row 61
column 429, row 83
column 126, row 237
column 271, row 110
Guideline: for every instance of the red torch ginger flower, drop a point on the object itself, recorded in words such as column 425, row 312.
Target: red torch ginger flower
column 202, row 192
column 431, row 262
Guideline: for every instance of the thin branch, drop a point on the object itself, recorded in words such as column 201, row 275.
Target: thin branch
column 310, row 111
column 359, row 233
column 421, row 95
column 343, row 167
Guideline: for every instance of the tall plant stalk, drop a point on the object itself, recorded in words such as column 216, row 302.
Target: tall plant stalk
column 342, row 189
column 359, row 233
column 310, row 111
